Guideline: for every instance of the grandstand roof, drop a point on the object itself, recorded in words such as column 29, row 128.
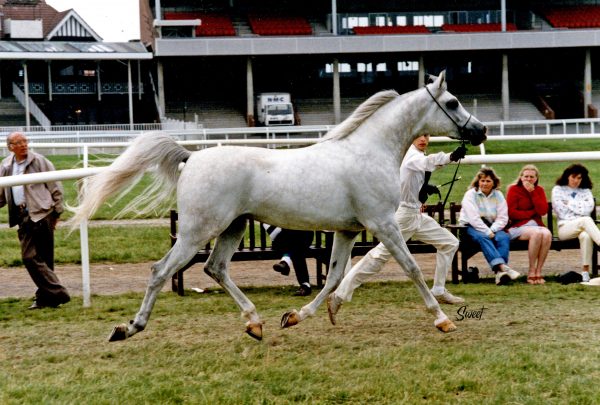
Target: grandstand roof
column 55, row 50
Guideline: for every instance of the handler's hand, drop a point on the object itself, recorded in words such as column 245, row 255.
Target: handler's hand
column 458, row 153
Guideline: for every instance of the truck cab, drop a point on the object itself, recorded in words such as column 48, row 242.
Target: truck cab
column 274, row 109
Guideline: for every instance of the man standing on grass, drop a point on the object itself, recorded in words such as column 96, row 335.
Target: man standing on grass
column 35, row 208
column 415, row 171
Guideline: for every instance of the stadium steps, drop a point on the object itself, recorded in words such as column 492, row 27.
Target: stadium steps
column 211, row 114
column 489, row 107
column 12, row 113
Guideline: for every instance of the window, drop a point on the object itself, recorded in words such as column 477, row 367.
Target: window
column 408, row 66
column 364, row 67
column 351, row 22
column 343, row 67
column 401, row 20
column 429, row 20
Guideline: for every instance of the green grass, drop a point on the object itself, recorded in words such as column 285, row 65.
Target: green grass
column 534, row 344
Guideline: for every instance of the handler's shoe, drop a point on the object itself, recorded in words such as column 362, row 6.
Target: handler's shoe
column 333, row 306
column 447, row 298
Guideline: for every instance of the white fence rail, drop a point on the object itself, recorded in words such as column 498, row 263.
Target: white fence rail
column 83, row 149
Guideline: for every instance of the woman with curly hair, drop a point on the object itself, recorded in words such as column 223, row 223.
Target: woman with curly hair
column 573, row 202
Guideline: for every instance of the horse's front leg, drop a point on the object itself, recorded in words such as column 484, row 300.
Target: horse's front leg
column 392, row 238
column 340, row 254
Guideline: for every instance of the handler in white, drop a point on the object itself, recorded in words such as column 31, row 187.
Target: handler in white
column 413, row 224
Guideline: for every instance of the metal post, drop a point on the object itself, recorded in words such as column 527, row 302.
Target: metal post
column 83, row 237
column 249, row 92
column 337, row 109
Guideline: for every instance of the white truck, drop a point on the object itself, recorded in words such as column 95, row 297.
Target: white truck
column 274, row 109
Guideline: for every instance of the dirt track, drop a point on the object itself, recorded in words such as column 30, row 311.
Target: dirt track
column 107, row 279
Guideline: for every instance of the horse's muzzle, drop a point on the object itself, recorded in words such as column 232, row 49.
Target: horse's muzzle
column 476, row 134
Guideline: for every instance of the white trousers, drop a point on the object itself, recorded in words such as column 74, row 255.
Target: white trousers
column 415, row 225
column 585, row 229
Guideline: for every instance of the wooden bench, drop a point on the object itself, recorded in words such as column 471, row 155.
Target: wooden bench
column 320, row 249
column 253, row 250
column 468, row 248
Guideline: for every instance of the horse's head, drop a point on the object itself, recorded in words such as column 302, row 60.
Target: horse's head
column 448, row 117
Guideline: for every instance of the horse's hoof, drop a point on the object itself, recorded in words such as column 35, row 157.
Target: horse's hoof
column 290, row 319
column 446, row 326
column 333, row 306
column 119, row 332
column 254, row 330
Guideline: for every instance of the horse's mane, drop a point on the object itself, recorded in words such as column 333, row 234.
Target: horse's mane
column 362, row 112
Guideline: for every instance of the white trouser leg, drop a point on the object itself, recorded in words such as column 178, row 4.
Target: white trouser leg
column 586, row 230
column 429, row 231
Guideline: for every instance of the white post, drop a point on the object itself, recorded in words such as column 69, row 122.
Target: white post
column 130, row 94
column 26, row 90
column 83, row 237
column 587, row 83
column 334, row 18
column 49, row 64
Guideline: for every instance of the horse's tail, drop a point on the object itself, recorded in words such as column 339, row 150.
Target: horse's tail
column 150, row 150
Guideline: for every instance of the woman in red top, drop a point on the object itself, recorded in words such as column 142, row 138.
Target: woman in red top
column 527, row 204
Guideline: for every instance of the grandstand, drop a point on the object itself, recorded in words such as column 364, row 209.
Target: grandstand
column 524, row 62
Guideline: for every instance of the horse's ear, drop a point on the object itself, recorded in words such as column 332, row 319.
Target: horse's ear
column 441, row 79
column 430, row 79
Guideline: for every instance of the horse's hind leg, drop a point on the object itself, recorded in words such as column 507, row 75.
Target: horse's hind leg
column 217, row 267
column 340, row 254
column 180, row 254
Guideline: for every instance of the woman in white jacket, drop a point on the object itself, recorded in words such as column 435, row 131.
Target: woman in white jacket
column 573, row 202
column 485, row 213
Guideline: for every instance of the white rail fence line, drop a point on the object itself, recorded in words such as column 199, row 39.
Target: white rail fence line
column 75, row 174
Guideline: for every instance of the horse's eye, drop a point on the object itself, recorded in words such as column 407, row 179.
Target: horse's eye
column 452, row 104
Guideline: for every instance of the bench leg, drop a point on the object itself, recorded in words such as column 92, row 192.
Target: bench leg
column 455, row 268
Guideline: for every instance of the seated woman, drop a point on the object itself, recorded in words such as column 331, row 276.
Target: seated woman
column 573, row 202
column 527, row 204
column 485, row 213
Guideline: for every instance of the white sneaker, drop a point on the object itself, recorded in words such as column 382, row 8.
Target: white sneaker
column 513, row 274
column 502, row 278
column 585, row 276
column 447, row 298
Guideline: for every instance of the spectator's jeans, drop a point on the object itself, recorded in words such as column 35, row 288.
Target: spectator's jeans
column 494, row 250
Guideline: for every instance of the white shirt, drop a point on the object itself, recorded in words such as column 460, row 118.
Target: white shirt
column 18, row 192
column 412, row 173
column 571, row 203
